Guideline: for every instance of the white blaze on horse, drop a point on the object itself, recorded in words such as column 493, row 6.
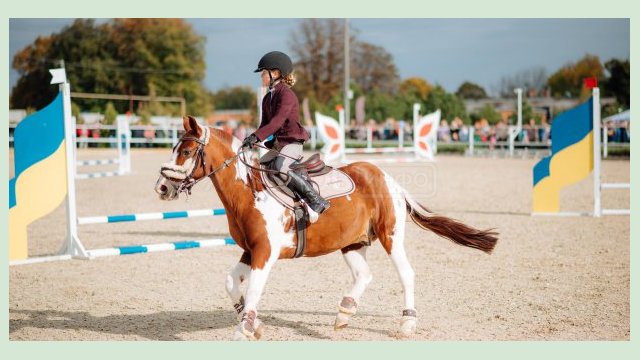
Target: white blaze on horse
column 264, row 228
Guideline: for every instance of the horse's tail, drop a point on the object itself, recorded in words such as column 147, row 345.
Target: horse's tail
column 451, row 229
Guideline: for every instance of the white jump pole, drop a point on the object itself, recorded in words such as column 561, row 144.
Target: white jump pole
column 597, row 206
column 605, row 141
column 124, row 146
column 401, row 135
column 471, row 139
column 72, row 245
column 416, row 115
column 516, row 131
column 369, row 137
column 344, row 135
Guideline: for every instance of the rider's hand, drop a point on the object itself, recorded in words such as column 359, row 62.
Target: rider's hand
column 250, row 140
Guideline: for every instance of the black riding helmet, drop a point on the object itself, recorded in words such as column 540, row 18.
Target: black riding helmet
column 276, row 60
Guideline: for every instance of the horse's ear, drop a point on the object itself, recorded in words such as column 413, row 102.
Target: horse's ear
column 195, row 128
column 185, row 123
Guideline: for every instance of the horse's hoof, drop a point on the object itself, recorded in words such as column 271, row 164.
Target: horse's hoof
column 342, row 320
column 259, row 331
column 347, row 308
column 238, row 335
column 407, row 326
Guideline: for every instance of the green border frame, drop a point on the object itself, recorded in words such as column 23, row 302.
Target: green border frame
column 300, row 9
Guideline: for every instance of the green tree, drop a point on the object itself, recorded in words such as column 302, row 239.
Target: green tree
column 75, row 112
column 450, row 104
column 489, row 112
column 619, row 82
column 568, row 80
column 239, row 97
column 469, row 90
column 162, row 57
column 527, row 114
column 110, row 114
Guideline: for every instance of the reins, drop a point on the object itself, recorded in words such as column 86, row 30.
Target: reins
column 189, row 182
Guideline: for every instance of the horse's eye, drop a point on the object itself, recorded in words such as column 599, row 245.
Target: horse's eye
column 186, row 152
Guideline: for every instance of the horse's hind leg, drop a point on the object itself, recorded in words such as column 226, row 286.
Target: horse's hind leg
column 393, row 243
column 235, row 278
column 407, row 277
column 355, row 257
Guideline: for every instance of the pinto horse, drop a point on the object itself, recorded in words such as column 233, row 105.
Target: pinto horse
column 264, row 229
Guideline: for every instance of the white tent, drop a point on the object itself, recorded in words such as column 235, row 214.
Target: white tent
column 623, row 116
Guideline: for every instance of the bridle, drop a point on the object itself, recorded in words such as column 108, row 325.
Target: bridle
column 186, row 184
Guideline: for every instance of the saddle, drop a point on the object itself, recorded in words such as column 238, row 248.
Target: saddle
column 330, row 183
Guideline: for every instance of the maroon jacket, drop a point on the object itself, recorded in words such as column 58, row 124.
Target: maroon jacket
column 281, row 117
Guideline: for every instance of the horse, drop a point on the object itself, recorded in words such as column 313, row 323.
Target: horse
column 264, row 229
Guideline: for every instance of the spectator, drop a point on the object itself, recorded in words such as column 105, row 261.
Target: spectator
column 95, row 134
column 502, row 131
column 544, row 131
column 444, row 131
column 149, row 135
column 455, row 130
column 530, row 129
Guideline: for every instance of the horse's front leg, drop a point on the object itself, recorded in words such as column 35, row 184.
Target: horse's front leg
column 235, row 278
column 250, row 327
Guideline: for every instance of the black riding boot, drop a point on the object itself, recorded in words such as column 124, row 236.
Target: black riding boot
column 303, row 188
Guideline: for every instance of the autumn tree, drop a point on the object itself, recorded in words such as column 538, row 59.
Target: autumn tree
column 416, row 87
column 317, row 47
column 568, row 80
column 372, row 68
column 161, row 57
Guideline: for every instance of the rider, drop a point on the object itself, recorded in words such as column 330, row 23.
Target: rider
column 280, row 118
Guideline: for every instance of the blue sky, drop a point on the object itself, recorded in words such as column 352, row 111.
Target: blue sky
column 444, row 51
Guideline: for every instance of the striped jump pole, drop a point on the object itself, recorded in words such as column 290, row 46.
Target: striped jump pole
column 386, row 150
column 139, row 249
column 97, row 175
column 97, row 162
column 149, row 216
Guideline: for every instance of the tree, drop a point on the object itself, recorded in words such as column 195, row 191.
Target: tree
column 163, row 57
column 533, row 79
column 450, row 104
column 489, row 112
column 238, row 97
column 416, row 87
column 318, row 50
column 318, row 54
column 110, row 114
column 469, row 90
column 568, row 80
column 373, row 68
column 618, row 84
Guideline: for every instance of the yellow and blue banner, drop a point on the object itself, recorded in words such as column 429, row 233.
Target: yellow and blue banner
column 40, row 182
column 571, row 158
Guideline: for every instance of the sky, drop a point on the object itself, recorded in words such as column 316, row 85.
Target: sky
column 443, row 51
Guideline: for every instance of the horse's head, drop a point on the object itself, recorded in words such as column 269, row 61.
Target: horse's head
column 188, row 162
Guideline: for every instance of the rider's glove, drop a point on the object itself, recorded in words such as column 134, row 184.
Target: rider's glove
column 250, row 140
